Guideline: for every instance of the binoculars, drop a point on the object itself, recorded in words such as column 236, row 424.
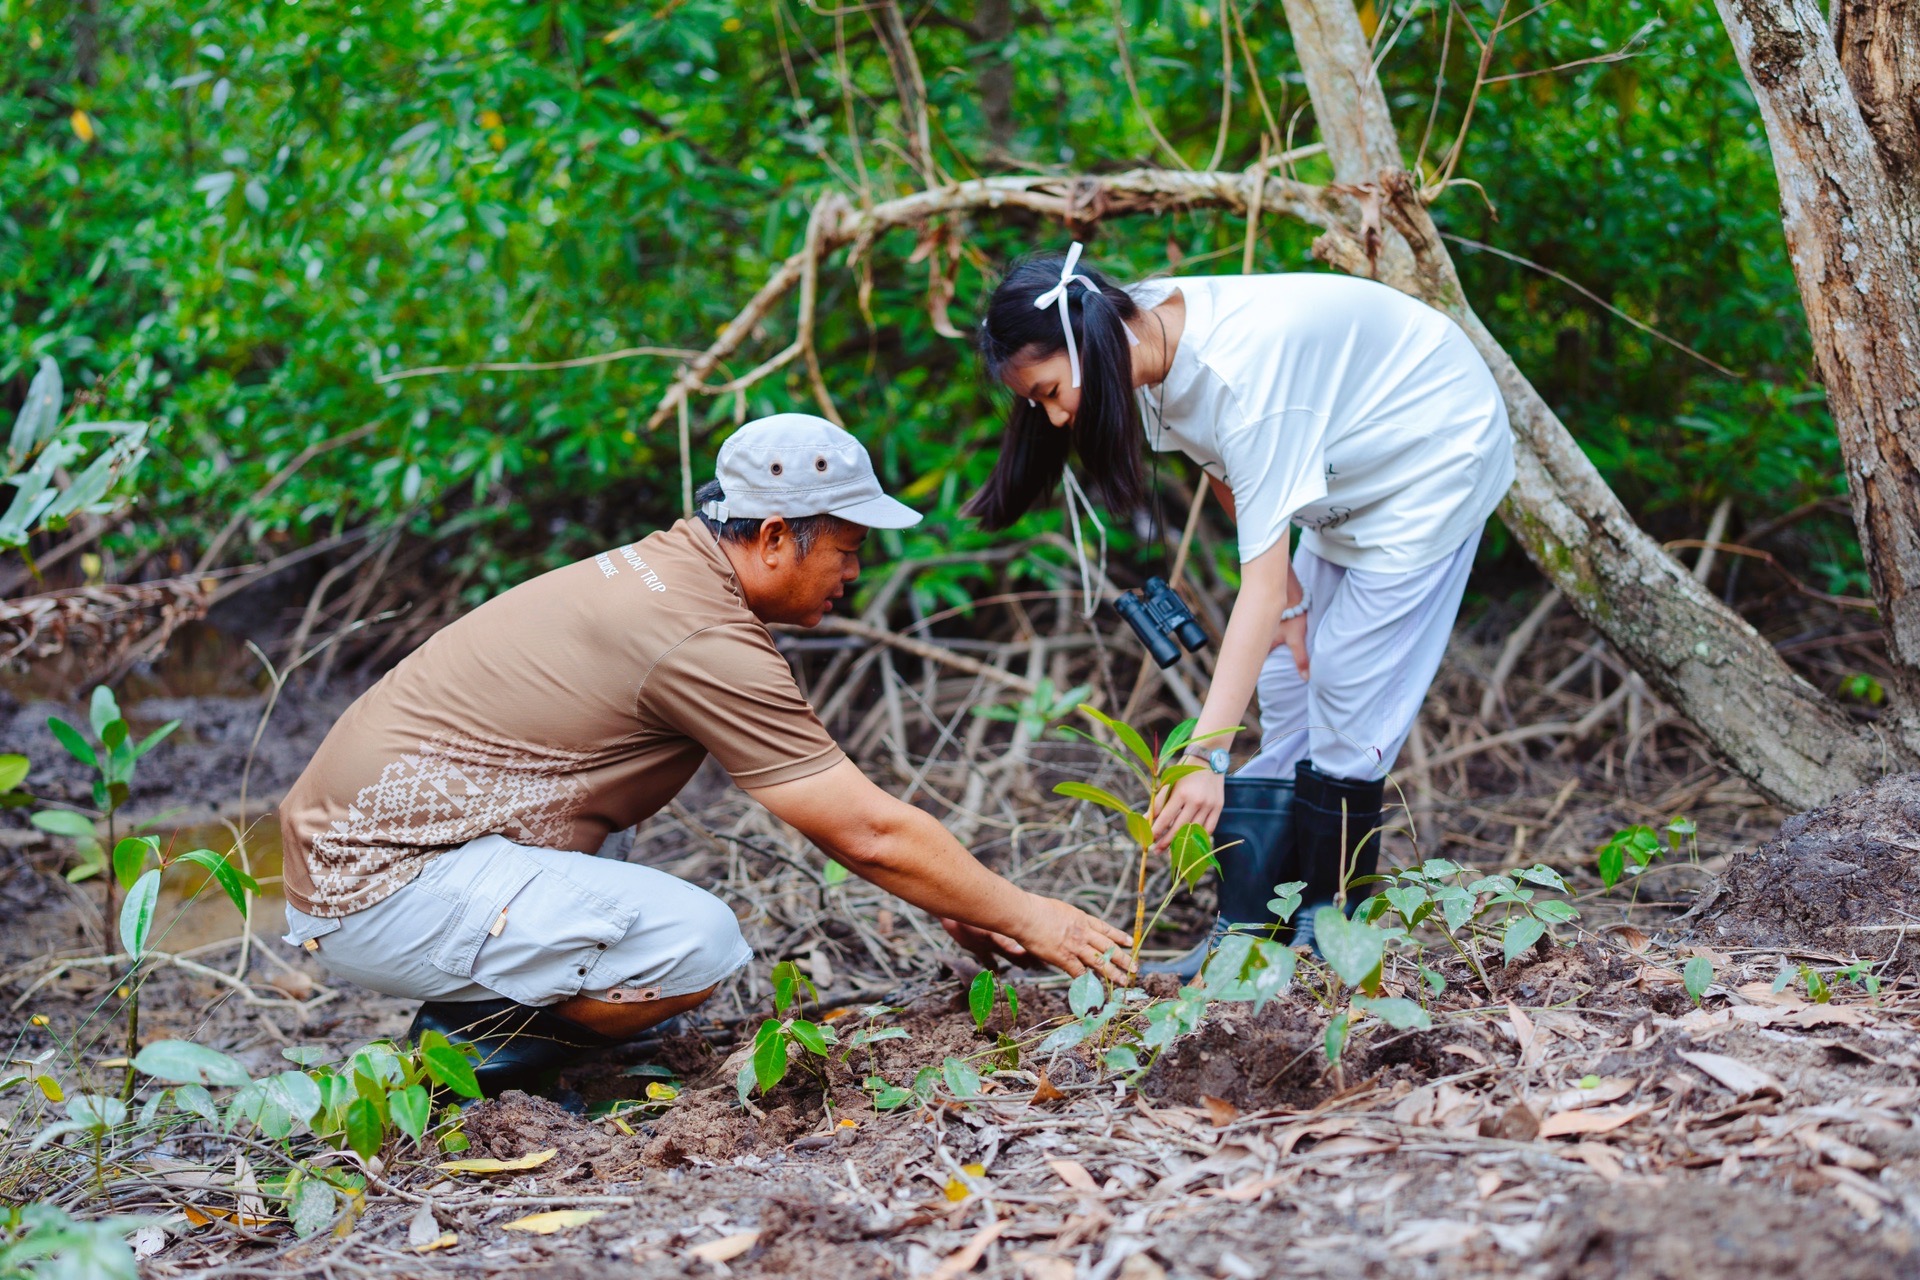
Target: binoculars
column 1157, row 615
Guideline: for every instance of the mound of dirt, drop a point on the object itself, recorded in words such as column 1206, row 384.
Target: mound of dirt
column 1730, row 1233
column 1844, row 878
column 517, row 1124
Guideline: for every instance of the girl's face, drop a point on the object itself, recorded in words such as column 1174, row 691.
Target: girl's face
column 1048, row 382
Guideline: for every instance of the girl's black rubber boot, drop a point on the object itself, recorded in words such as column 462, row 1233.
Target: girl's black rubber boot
column 1253, row 842
column 520, row 1045
column 1336, row 822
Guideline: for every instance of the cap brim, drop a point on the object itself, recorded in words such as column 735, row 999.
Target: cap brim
column 879, row 513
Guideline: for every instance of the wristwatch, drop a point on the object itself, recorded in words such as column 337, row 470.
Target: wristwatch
column 1217, row 760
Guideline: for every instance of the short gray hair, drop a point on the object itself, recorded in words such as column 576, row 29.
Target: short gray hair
column 806, row 530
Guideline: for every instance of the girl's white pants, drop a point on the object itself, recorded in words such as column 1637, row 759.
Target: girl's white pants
column 1374, row 644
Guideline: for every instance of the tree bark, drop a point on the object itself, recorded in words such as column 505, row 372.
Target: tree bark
column 1847, row 228
column 1777, row 730
column 1879, row 46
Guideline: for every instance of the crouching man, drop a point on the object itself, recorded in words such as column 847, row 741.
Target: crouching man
column 440, row 845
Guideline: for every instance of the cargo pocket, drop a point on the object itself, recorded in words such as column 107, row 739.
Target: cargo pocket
column 536, row 933
column 477, row 903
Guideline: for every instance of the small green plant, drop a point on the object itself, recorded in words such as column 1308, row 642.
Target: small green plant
column 1457, row 901
column 1698, row 975
column 1862, row 687
column 13, row 772
column 42, row 452
column 43, row 1242
column 113, row 755
column 774, row 1043
column 1191, row 848
column 981, row 998
column 1861, row 974
column 1044, row 706
column 1819, row 986
column 1641, row 845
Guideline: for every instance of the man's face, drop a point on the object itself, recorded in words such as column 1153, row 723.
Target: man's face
column 801, row 589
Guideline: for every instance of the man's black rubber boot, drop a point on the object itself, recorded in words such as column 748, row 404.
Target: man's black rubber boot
column 1336, row 822
column 519, row 1044
column 1253, row 842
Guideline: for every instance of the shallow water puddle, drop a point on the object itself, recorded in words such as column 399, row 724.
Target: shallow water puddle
column 193, row 912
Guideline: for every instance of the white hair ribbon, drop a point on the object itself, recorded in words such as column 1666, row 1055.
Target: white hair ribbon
column 1058, row 296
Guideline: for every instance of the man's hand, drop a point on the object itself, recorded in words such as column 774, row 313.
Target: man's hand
column 1073, row 942
column 987, row 946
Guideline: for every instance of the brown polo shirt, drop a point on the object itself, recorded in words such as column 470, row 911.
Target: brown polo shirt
column 572, row 706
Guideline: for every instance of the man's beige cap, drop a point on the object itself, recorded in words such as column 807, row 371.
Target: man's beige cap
column 794, row 464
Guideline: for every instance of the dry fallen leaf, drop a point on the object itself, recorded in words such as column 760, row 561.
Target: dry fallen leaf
column 1600, row 1159
column 1219, row 1110
column 1468, row 1052
column 957, row 1188
column 1594, row 1120
column 964, row 1258
column 1043, row 1266
column 1074, row 1174
column 424, row 1228
column 726, row 1248
column 545, row 1224
column 1627, row 935
column 486, row 1165
column 147, row 1240
column 1044, row 1091
column 1734, row 1074
column 1608, row 1090
column 1140, row 1266
column 445, row 1240
column 1517, row 1123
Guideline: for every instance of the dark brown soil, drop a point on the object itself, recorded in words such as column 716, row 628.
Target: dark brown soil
column 1717, row 1233
column 1844, row 879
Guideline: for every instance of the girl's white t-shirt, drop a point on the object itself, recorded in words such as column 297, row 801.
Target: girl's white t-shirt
column 1338, row 404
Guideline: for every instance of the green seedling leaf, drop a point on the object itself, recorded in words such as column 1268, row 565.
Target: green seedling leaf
column 1398, row 1013
column 449, row 1067
column 1546, row 876
column 296, row 1092
column 155, row 738
column 1085, row 994
column 1067, row 1037
column 1176, row 742
column 102, row 710
column 1127, row 734
column 1407, row 900
column 303, row 1055
column 1121, row 1058
column 310, row 1208
column 743, row 1084
column 1092, row 795
column 13, row 771
column 1555, row 911
column 1521, row 933
column 649, row 1071
column 1435, row 980
column 113, row 734
column 193, row 1098
column 886, row 1097
column 811, row 1036
column 1336, row 1038
column 130, row 858
column 1612, row 864
column 1013, row 1002
column 1179, row 771
column 364, row 1129
column 1698, row 976
column 1354, row 948
column 411, row 1110
column 962, row 1080
column 1192, row 853
column 980, row 998
column 788, row 982
column 136, row 913
column 237, row 883
column 63, row 822
column 1817, row 989
column 1139, row 830
column 769, row 1055
column 1286, row 899
column 833, row 873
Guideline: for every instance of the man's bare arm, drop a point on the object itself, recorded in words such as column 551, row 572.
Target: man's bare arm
column 908, row 853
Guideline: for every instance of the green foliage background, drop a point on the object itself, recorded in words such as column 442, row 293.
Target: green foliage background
column 281, row 199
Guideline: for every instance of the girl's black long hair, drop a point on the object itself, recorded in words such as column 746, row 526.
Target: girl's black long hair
column 1105, row 435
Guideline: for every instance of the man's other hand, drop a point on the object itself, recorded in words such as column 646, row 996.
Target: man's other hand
column 1073, row 942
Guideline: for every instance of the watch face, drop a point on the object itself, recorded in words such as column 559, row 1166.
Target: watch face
column 1219, row 760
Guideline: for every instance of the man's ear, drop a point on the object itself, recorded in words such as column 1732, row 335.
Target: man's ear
column 775, row 538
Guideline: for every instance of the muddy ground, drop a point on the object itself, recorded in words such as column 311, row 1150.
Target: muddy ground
column 1581, row 1116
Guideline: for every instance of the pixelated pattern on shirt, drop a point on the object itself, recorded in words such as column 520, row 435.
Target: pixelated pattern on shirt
column 454, row 788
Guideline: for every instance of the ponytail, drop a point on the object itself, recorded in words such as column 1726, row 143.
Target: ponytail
column 1105, row 435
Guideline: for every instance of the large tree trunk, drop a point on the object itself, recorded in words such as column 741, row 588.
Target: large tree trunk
column 1846, row 199
column 1879, row 46
column 1701, row 657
